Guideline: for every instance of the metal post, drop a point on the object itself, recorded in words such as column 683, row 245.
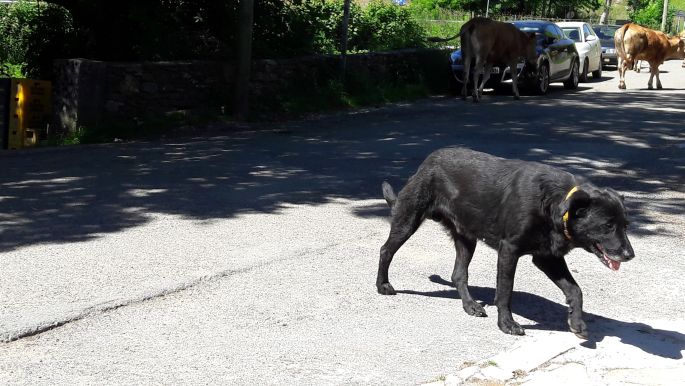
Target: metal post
column 242, row 81
column 664, row 14
column 343, row 44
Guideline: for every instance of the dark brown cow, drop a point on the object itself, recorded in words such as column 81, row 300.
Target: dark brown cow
column 491, row 43
column 634, row 42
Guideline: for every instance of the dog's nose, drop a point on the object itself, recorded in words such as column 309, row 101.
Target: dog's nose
column 627, row 253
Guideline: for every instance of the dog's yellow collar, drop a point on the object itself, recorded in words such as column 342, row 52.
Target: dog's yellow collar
column 565, row 216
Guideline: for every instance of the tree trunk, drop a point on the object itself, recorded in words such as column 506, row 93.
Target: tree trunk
column 664, row 15
column 604, row 18
column 242, row 81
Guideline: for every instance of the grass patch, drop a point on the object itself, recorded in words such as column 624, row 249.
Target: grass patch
column 335, row 96
column 151, row 127
column 490, row 363
column 439, row 22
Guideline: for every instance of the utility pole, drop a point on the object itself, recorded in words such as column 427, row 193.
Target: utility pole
column 242, row 81
column 664, row 15
column 487, row 8
column 343, row 44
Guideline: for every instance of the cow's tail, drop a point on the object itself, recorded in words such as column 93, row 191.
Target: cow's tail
column 435, row 39
column 619, row 38
column 466, row 28
column 389, row 194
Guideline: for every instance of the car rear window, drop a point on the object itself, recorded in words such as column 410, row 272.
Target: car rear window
column 572, row 33
column 604, row 32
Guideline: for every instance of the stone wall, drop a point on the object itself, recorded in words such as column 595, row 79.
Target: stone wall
column 4, row 111
column 87, row 92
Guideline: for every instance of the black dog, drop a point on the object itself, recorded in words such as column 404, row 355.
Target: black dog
column 515, row 207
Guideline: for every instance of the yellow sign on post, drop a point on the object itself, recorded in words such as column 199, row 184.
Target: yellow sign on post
column 30, row 108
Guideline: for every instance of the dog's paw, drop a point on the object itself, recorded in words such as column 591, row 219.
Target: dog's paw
column 386, row 289
column 511, row 327
column 475, row 309
column 579, row 328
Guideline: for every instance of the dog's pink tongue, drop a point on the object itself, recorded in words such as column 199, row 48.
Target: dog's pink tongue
column 614, row 265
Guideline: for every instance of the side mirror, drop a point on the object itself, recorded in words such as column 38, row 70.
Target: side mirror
column 590, row 38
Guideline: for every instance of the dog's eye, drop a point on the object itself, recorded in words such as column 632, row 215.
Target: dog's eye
column 609, row 227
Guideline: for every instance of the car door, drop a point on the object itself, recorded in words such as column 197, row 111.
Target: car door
column 551, row 43
column 561, row 50
column 595, row 51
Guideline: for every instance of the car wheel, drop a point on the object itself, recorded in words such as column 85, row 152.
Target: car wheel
column 540, row 84
column 572, row 82
column 583, row 74
column 598, row 73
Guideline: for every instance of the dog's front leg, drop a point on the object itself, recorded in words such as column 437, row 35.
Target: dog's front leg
column 506, row 268
column 556, row 270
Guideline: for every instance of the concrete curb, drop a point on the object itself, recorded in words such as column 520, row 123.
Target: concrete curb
column 559, row 358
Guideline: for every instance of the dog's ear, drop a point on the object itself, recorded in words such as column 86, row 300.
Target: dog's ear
column 575, row 204
column 616, row 194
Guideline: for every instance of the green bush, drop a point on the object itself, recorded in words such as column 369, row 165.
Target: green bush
column 386, row 26
column 315, row 26
column 10, row 70
column 306, row 27
column 32, row 35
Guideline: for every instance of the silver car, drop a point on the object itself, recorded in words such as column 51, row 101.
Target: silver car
column 605, row 33
column 588, row 46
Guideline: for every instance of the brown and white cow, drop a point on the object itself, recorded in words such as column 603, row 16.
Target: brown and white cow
column 682, row 36
column 490, row 43
column 634, row 42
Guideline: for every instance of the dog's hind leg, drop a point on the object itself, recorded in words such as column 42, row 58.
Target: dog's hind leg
column 556, row 270
column 408, row 214
column 464, row 247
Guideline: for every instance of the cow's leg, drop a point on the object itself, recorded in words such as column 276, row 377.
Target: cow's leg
column 619, row 67
column 487, row 69
column 654, row 70
column 622, row 65
column 476, row 76
column 514, row 79
column 467, row 75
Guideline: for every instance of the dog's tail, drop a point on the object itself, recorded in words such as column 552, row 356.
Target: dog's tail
column 389, row 194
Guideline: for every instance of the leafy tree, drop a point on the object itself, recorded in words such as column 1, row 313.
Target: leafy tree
column 32, row 35
column 649, row 14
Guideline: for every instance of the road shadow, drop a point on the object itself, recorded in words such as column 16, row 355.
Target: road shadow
column 551, row 316
column 624, row 141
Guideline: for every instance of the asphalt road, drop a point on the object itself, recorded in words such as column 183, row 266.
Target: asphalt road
column 250, row 257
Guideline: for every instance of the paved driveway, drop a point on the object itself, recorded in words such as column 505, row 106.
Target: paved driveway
column 251, row 257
